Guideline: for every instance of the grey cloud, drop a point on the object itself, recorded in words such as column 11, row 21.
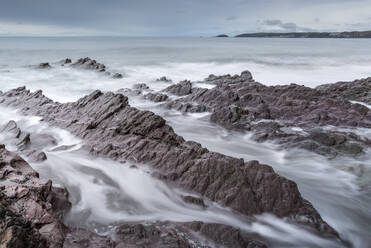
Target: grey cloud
column 177, row 17
column 285, row 26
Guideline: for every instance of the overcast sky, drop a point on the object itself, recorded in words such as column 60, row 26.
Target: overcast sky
column 180, row 17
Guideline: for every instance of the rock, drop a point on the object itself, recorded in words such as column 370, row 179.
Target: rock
column 16, row 231
column 156, row 97
column 66, row 61
column 28, row 144
column 164, row 79
column 181, row 89
column 194, row 200
column 237, row 102
column 80, row 238
column 358, row 90
column 183, row 235
column 140, row 86
column 112, row 128
column 36, row 157
column 90, row 64
column 186, row 107
column 45, row 65
column 117, row 75
column 228, row 79
column 35, row 208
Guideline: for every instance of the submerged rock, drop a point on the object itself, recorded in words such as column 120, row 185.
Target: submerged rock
column 112, row 128
column 164, row 79
column 45, row 65
column 117, row 75
column 140, row 86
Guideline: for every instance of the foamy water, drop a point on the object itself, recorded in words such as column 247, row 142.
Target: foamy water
column 104, row 192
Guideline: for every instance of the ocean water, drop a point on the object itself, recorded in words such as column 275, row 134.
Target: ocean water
column 340, row 189
column 272, row 61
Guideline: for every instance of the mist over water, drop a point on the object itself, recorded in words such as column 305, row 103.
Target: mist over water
column 105, row 192
column 272, row 61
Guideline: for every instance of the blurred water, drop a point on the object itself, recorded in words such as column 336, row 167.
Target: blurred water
column 272, row 61
column 339, row 189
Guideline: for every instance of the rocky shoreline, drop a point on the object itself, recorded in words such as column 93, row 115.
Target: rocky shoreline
column 293, row 116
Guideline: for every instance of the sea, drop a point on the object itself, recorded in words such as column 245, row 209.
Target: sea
column 105, row 193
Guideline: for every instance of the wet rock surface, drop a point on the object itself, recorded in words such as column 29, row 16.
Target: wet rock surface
column 112, row 128
column 33, row 207
column 291, row 115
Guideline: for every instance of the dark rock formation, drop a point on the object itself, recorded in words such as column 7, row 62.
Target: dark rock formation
column 111, row 128
column 65, row 61
column 117, row 75
column 33, row 208
column 164, row 79
column 28, row 144
column 181, row 89
column 44, row 65
column 140, row 86
column 88, row 63
column 156, row 97
column 276, row 112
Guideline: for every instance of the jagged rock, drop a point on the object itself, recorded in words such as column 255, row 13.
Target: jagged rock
column 16, row 231
column 181, row 89
column 111, row 128
column 240, row 103
column 245, row 76
column 67, row 61
column 140, row 86
column 28, row 144
column 31, row 201
column 156, row 97
column 45, row 65
column 164, row 79
column 88, row 63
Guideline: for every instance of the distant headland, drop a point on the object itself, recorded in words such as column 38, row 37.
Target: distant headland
column 352, row 34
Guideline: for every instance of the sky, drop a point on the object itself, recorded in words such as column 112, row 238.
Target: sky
column 179, row 17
